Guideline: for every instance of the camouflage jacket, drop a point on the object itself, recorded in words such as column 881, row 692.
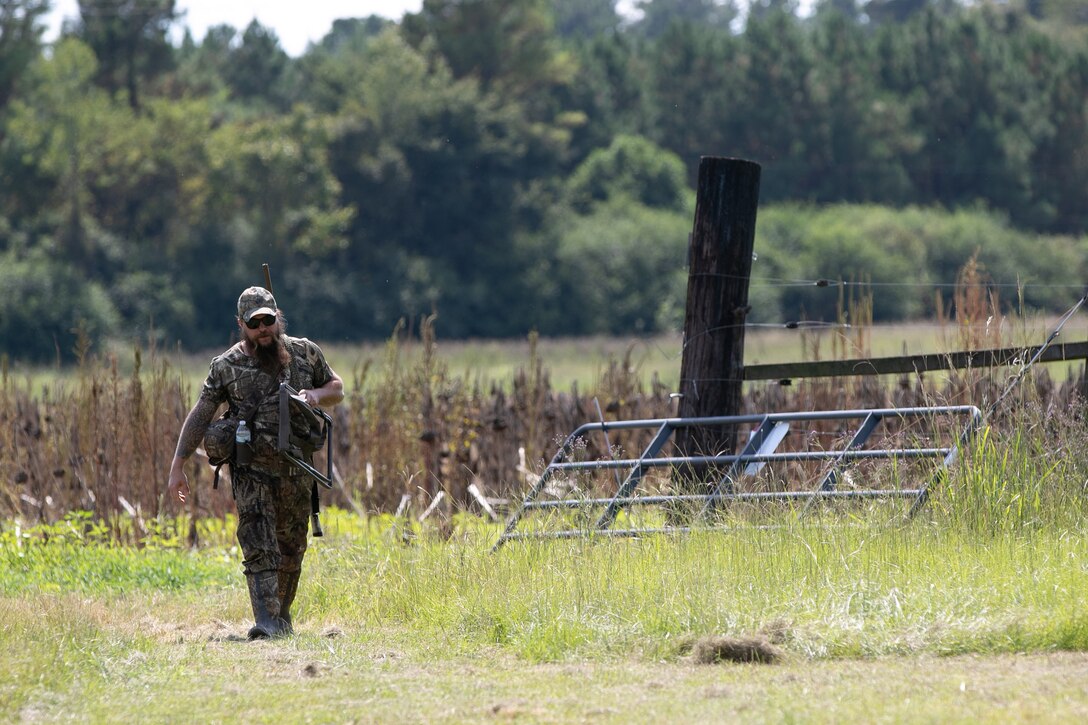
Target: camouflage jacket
column 236, row 379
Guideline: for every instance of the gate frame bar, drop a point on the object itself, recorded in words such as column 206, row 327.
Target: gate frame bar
column 759, row 449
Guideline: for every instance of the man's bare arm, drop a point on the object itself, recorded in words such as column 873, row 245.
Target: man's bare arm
column 196, row 424
column 328, row 394
column 192, row 432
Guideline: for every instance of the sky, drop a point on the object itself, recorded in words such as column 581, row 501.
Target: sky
column 296, row 23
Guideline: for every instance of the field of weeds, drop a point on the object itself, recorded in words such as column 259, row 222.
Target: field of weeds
column 421, row 418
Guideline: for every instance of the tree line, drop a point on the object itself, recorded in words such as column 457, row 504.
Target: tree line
column 522, row 164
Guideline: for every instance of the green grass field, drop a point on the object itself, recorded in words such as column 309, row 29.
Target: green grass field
column 976, row 611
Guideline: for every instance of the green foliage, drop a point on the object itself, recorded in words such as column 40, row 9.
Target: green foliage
column 282, row 163
column 507, row 45
column 82, row 555
column 584, row 18
column 444, row 156
column 903, row 254
column 129, row 40
column 631, row 166
column 978, row 118
column 620, row 267
column 854, row 148
column 1059, row 205
column 695, row 97
column 20, row 43
column 63, row 123
column 256, row 66
column 611, row 90
column 1027, row 478
column 49, row 307
column 156, row 302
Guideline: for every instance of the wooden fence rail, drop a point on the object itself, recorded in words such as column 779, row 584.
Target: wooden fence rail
column 914, row 363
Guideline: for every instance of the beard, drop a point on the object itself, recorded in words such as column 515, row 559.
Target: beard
column 273, row 356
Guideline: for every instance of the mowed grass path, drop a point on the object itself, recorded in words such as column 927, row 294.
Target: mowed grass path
column 202, row 675
column 893, row 623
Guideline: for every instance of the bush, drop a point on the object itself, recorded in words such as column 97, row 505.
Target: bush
column 634, row 167
column 622, row 270
column 910, row 256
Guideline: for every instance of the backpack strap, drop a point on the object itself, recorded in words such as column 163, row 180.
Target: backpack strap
column 255, row 402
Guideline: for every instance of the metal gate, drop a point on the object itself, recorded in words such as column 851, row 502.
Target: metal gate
column 766, row 434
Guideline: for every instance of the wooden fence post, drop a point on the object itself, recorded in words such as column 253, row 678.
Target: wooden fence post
column 720, row 263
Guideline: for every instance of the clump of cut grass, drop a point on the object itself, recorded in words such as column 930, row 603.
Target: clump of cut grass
column 715, row 649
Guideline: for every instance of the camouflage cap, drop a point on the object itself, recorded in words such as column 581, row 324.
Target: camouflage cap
column 256, row 301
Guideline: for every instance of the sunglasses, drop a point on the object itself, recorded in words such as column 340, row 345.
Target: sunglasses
column 266, row 320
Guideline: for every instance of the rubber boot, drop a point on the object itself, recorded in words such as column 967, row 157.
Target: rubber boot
column 288, row 581
column 264, row 596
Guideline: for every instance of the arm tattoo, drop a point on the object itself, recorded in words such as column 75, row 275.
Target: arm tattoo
column 196, row 423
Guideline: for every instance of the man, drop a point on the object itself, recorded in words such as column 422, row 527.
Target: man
column 272, row 496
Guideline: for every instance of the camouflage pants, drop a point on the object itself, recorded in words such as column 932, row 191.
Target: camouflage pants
column 273, row 519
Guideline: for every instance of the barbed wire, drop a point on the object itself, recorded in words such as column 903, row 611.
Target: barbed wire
column 824, row 325
column 1013, row 382
column 1038, row 353
column 823, row 282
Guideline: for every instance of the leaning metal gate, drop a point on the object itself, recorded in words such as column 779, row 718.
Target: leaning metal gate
column 761, row 449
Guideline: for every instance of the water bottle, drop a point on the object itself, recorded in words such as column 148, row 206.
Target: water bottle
column 243, row 452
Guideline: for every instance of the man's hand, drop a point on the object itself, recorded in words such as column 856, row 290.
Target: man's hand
column 192, row 432
column 178, row 485
column 327, row 395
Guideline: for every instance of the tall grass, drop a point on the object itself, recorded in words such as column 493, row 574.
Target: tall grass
column 818, row 592
column 960, row 579
column 102, row 440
